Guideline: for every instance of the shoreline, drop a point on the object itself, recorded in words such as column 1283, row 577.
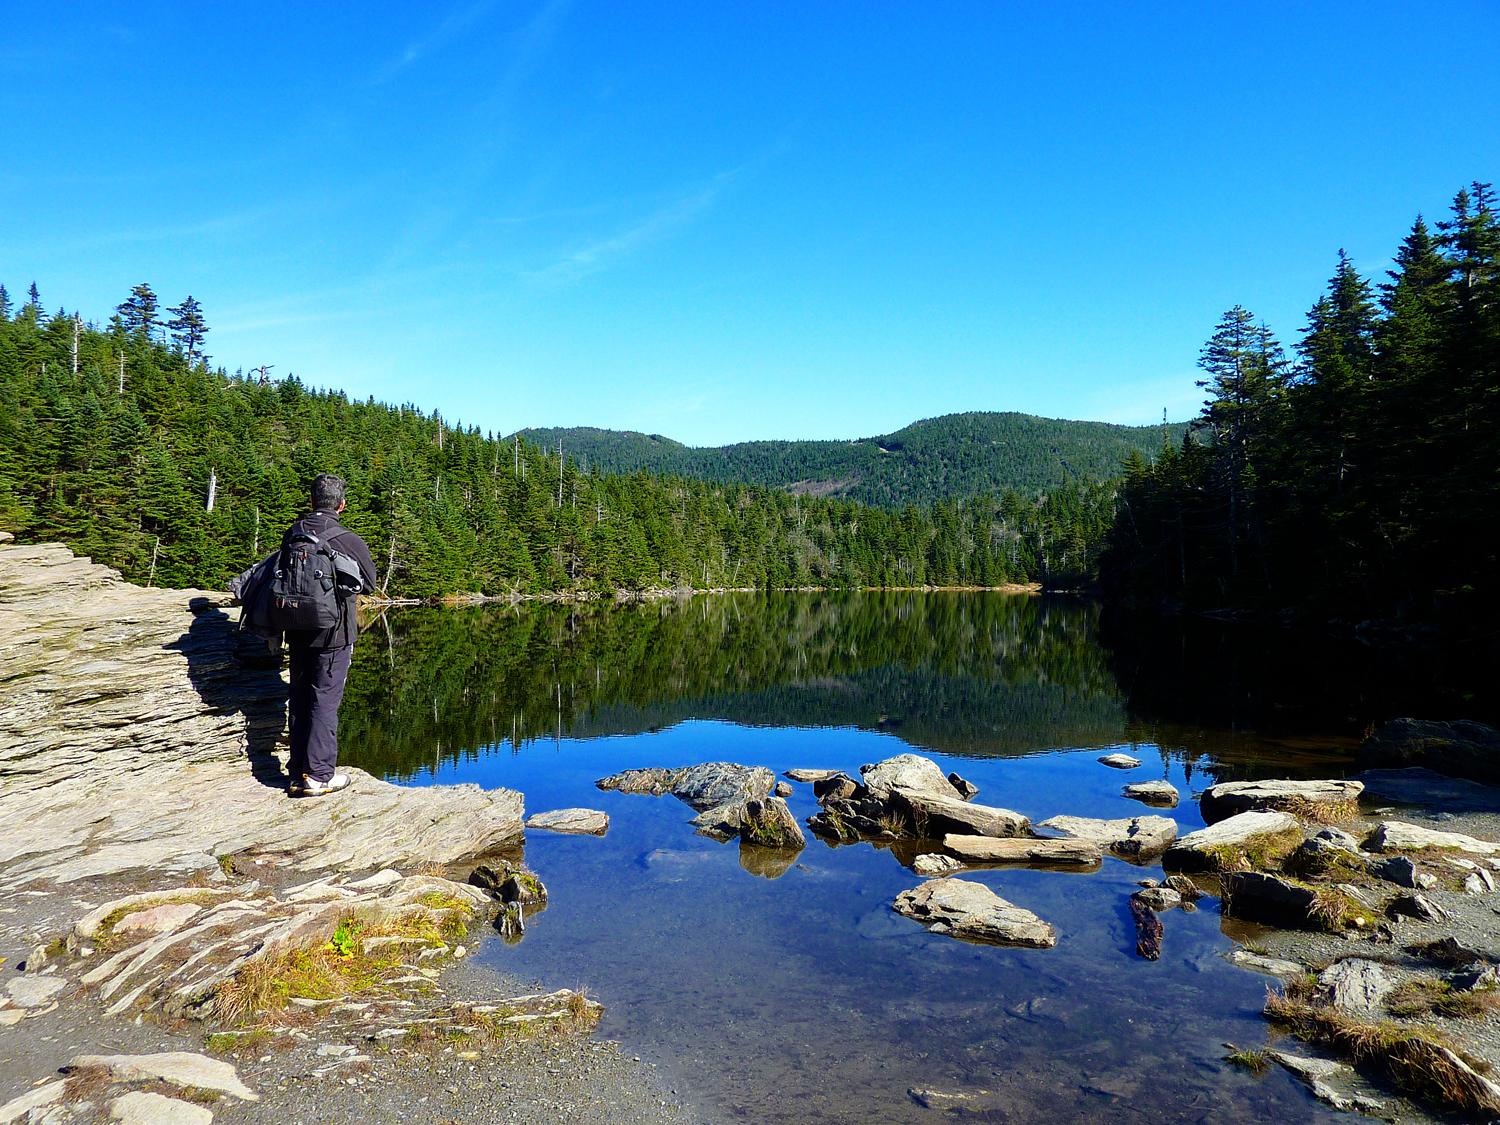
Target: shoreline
column 682, row 593
column 152, row 870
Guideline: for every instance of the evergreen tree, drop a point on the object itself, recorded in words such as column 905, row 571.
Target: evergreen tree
column 188, row 327
column 137, row 313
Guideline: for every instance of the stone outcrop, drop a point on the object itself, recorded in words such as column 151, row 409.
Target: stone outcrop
column 1356, row 986
column 1229, row 842
column 1330, row 800
column 910, row 772
column 1261, row 897
column 1137, row 837
column 934, row 814
column 718, row 790
column 930, row 865
column 131, row 740
column 1022, row 849
column 963, row 909
column 183, row 1069
column 769, row 823
column 1458, row 749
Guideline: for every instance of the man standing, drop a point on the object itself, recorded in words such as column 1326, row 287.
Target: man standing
column 320, row 657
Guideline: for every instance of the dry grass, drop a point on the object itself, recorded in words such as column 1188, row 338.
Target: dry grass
column 1417, row 1059
column 1321, row 812
column 1424, row 996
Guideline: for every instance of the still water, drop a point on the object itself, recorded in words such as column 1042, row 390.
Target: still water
column 784, row 989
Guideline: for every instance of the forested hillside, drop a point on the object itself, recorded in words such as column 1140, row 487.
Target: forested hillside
column 947, row 458
column 1360, row 479
column 123, row 442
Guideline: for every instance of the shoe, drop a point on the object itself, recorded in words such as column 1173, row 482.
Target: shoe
column 297, row 786
column 312, row 788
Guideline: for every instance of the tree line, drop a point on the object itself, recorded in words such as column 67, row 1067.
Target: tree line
column 122, row 441
column 945, row 458
column 1359, row 478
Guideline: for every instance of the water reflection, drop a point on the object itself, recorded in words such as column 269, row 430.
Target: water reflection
column 962, row 674
column 781, row 987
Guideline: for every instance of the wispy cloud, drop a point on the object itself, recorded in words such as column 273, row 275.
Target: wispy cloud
column 450, row 28
column 602, row 253
column 210, row 227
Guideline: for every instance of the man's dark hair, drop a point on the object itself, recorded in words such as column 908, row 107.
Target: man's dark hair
column 327, row 492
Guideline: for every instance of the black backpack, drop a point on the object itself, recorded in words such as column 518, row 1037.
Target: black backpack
column 304, row 590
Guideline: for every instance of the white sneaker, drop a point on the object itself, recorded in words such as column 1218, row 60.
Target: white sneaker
column 311, row 788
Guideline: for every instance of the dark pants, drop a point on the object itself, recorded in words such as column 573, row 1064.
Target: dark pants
column 317, row 683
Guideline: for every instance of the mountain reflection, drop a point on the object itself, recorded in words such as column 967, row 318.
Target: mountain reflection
column 974, row 674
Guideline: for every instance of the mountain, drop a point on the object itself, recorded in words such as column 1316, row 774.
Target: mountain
column 946, row 458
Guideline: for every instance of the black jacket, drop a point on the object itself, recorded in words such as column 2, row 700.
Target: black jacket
column 326, row 526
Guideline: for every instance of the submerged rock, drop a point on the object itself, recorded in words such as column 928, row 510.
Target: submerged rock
column 963, row 909
column 1244, row 838
column 1459, row 749
column 1163, row 794
column 1332, row 800
column 1133, row 837
column 1329, row 1081
column 1148, row 927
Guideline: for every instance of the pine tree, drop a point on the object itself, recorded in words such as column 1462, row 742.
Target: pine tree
column 4, row 303
column 188, row 327
column 137, row 313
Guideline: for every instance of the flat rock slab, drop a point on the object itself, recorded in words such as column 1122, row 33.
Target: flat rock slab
column 909, row 772
column 157, row 919
column 141, row 1108
column 185, row 1069
column 1120, row 761
column 701, row 787
column 33, row 991
column 1021, row 849
column 1333, row 798
column 1269, row 966
column 130, row 740
column 1399, row 836
column 936, row 814
column 1356, row 986
column 1330, row 1082
column 1160, row 793
column 18, row 1108
column 1133, row 837
column 963, row 909
column 575, row 822
column 1200, row 850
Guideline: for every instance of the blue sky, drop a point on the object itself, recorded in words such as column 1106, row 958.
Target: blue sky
column 732, row 221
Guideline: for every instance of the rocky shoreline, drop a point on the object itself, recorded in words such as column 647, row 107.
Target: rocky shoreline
column 182, row 942
column 1369, row 900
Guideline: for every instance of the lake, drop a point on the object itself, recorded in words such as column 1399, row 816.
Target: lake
column 780, row 988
